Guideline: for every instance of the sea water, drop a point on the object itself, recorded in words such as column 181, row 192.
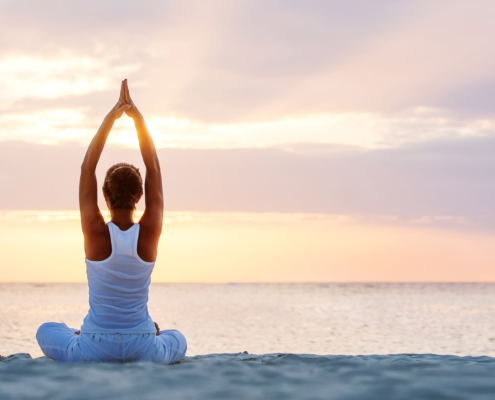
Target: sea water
column 329, row 318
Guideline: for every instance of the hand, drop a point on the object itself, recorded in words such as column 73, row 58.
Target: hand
column 157, row 329
column 125, row 98
column 121, row 105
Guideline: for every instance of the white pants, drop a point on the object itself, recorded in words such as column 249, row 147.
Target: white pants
column 58, row 342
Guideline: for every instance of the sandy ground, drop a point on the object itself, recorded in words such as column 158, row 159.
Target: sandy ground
column 245, row 376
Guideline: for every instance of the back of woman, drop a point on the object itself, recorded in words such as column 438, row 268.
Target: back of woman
column 118, row 287
column 120, row 257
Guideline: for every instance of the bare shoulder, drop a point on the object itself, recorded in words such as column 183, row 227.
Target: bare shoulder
column 149, row 235
column 97, row 241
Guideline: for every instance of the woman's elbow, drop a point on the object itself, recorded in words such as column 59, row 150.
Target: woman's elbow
column 87, row 167
column 153, row 166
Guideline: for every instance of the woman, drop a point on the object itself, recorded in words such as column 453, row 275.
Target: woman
column 120, row 257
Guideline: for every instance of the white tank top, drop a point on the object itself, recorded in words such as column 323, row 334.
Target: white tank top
column 118, row 288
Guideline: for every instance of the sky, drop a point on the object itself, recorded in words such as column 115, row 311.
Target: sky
column 299, row 140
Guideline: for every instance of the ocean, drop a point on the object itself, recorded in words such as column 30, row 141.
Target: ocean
column 302, row 318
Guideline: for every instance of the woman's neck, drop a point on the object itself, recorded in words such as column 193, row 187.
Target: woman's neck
column 122, row 218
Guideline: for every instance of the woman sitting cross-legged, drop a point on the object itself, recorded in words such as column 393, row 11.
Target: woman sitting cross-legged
column 120, row 257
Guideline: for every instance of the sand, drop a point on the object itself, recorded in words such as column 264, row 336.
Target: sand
column 245, row 376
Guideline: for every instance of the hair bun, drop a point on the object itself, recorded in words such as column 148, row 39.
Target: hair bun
column 123, row 186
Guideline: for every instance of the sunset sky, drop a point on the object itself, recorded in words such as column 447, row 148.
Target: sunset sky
column 299, row 140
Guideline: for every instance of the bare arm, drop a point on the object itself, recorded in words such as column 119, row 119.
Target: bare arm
column 91, row 217
column 152, row 218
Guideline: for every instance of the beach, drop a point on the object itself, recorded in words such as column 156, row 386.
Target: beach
column 245, row 376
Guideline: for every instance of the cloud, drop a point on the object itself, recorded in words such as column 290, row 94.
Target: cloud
column 250, row 61
column 39, row 77
column 186, row 217
column 233, row 85
column 245, row 74
column 54, row 125
column 441, row 182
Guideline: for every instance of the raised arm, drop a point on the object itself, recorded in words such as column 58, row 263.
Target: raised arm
column 152, row 218
column 91, row 217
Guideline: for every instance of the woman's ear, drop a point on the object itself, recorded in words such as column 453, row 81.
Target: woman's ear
column 139, row 198
column 105, row 195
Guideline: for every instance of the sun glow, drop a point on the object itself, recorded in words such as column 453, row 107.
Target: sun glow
column 55, row 126
column 351, row 129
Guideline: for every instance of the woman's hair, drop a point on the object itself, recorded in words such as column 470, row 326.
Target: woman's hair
column 123, row 185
